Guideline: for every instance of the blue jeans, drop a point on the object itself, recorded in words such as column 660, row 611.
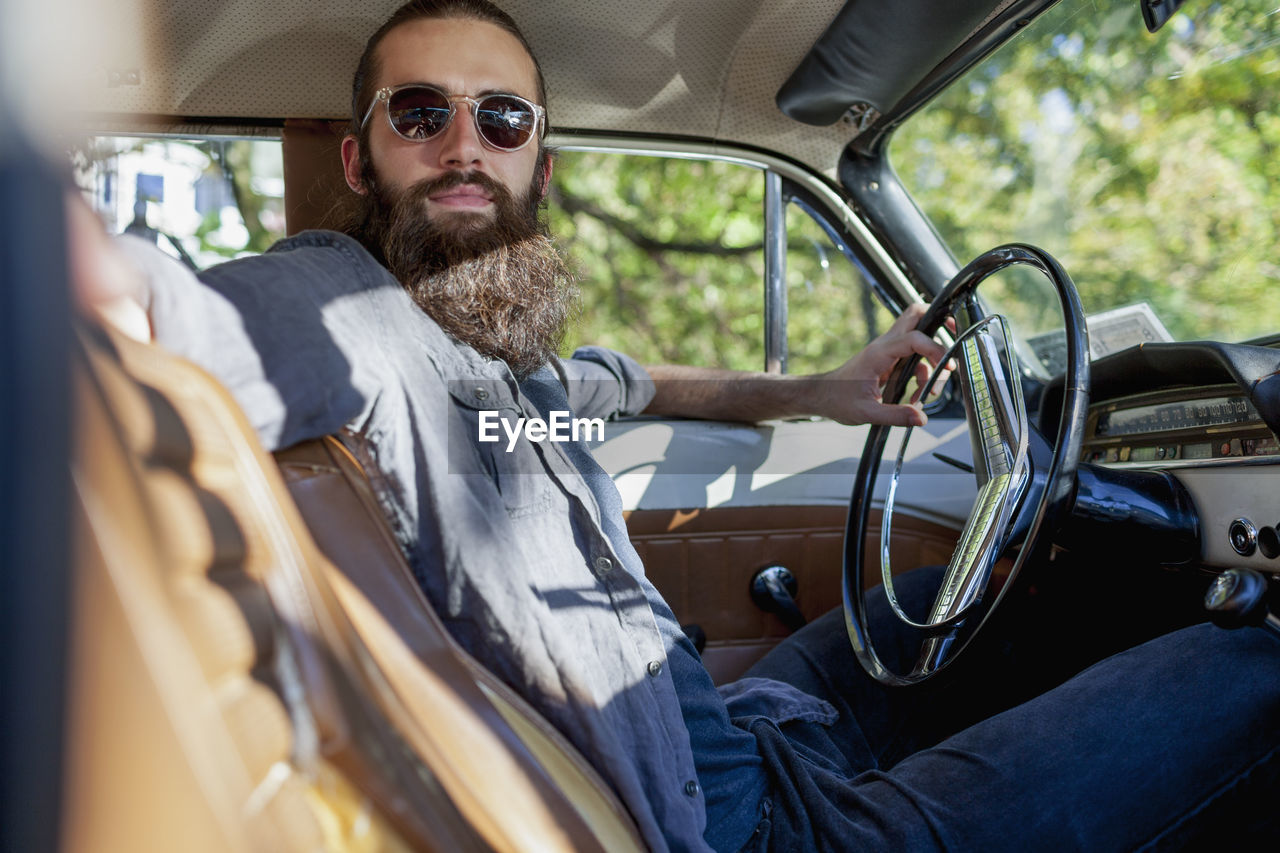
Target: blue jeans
column 1157, row 747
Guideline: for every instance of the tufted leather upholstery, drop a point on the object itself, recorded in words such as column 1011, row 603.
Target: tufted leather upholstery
column 234, row 689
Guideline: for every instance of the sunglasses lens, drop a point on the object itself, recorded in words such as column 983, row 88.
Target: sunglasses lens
column 506, row 122
column 418, row 112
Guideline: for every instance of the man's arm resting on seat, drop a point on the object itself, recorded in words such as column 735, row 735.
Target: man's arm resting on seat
column 849, row 394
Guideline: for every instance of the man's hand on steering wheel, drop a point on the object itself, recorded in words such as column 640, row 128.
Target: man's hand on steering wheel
column 856, row 396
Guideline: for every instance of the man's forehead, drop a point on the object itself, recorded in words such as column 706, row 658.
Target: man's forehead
column 461, row 55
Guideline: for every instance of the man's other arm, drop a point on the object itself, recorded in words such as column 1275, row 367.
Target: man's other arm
column 291, row 387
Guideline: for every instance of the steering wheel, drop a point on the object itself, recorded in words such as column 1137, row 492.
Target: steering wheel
column 1025, row 483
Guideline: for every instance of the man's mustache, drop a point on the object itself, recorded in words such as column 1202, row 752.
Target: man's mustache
column 449, row 180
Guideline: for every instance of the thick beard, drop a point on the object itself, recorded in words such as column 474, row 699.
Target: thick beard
column 499, row 285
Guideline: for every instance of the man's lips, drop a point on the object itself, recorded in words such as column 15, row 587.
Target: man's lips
column 463, row 196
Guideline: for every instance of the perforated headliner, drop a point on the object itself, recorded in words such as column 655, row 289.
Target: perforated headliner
column 707, row 69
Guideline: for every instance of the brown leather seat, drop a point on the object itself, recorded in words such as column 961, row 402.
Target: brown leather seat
column 234, row 689
column 423, row 664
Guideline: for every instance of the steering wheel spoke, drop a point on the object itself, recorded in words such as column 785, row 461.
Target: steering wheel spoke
column 933, row 654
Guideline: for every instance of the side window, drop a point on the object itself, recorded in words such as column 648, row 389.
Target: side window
column 832, row 311
column 670, row 253
column 202, row 200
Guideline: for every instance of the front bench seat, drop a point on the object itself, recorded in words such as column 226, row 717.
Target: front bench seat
column 233, row 689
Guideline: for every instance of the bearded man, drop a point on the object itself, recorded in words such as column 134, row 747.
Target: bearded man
column 446, row 299
column 453, row 214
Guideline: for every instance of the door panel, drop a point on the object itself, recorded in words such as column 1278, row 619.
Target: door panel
column 703, row 561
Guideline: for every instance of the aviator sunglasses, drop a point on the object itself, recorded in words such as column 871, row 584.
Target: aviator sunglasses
column 418, row 113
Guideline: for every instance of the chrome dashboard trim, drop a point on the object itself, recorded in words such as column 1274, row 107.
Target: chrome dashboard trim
column 1243, row 461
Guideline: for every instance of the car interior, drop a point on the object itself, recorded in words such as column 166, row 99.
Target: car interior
column 225, row 650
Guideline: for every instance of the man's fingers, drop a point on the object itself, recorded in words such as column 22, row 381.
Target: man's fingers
column 901, row 346
column 922, row 372
column 910, row 317
column 903, row 414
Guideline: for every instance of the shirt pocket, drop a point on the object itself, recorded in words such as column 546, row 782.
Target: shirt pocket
column 515, row 467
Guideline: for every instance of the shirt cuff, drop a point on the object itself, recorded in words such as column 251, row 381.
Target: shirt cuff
column 602, row 383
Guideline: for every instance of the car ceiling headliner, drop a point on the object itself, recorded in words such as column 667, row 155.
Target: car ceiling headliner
column 710, row 69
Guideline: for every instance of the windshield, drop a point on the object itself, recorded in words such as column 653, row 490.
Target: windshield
column 1149, row 165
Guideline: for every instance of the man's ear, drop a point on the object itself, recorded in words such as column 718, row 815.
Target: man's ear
column 351, row 164
column 547, row 163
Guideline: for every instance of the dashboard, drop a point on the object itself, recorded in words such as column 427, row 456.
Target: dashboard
column 1208, row 415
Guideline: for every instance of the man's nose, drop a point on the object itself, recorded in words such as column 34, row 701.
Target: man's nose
column 461, row 146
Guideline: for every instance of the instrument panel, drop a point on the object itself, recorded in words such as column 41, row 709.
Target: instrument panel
column 1177, row 427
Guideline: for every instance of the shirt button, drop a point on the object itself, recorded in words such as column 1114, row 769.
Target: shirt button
column 655, row 668
column 691, row 788
column 482, row 394
column 604, row 565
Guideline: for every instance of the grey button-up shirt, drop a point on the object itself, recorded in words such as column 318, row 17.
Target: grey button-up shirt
column 523, row 552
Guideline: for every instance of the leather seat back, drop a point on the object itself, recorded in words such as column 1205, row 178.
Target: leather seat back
column 329, row 483
column 232, row 689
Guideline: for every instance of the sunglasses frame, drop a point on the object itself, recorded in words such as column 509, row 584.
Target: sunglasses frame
column 386, row 92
